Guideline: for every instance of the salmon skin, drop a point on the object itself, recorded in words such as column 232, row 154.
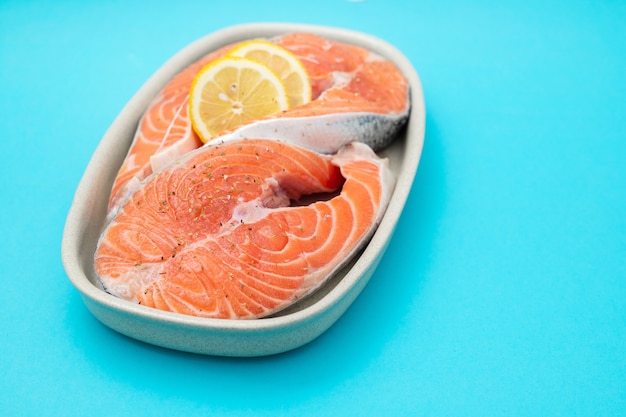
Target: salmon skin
column 356, row 95
column 224, row 231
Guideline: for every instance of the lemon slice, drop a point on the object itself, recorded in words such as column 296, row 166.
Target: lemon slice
column 284, row 63
column 231, row 91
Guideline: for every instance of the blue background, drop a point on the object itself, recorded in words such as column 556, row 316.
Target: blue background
column 503, row 290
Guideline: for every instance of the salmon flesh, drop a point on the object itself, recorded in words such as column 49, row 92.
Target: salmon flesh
column 265, row 213
column 227, row 231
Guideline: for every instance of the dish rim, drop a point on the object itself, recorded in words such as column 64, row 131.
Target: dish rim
column 75, row 230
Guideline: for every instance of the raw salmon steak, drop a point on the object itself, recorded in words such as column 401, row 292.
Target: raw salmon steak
column 244, row 229
column 356, row 95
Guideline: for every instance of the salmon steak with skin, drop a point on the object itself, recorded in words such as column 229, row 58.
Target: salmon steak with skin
column 237, row 231
column 356, row 95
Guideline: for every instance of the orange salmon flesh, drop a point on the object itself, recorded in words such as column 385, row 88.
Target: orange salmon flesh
column 227, row 231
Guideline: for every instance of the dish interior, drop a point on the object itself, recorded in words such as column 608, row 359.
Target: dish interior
column 87, row 215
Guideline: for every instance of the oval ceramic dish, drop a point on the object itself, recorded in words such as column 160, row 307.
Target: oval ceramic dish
column 289, row 329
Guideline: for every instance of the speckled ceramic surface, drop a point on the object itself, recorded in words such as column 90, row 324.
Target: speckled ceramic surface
column 289, row 329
